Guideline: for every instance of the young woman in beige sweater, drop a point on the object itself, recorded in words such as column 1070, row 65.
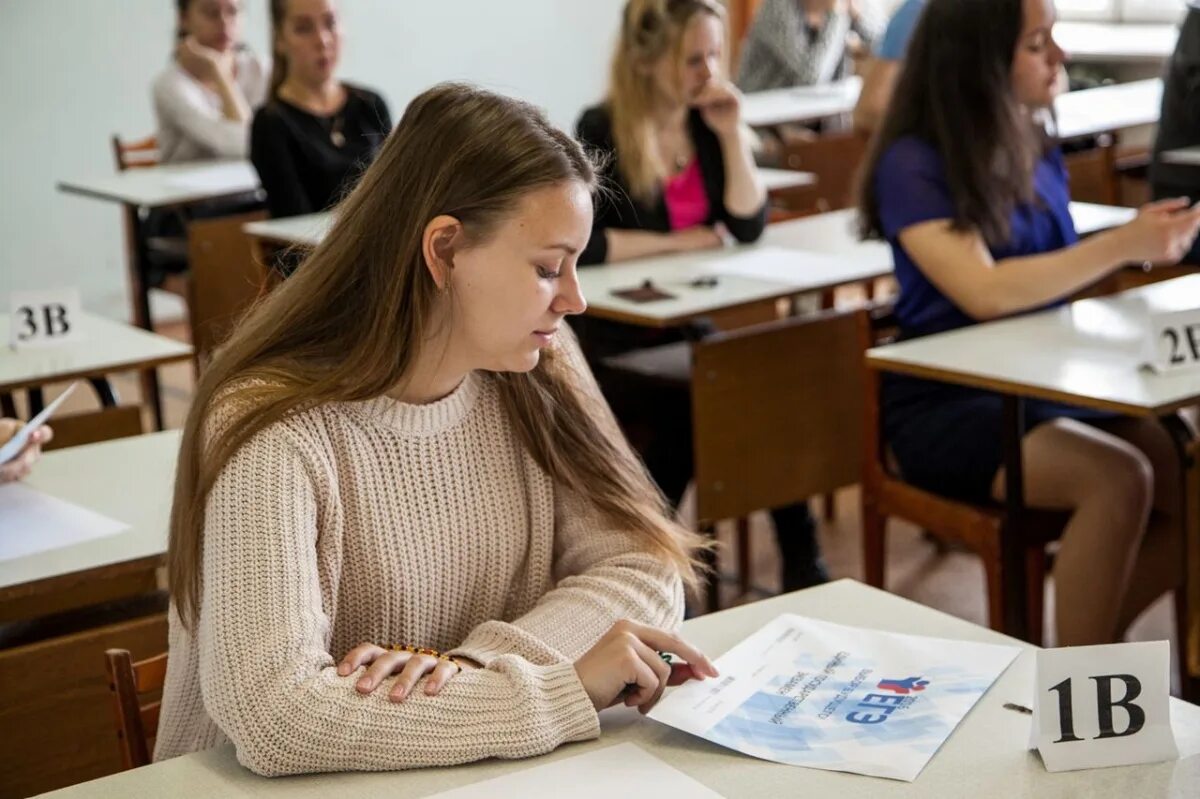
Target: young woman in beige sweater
column 402, row 447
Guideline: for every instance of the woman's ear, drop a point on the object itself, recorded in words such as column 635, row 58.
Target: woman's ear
column 438, row 243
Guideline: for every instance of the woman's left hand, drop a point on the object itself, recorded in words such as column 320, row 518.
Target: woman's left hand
column 720, row 105
column 382, row 663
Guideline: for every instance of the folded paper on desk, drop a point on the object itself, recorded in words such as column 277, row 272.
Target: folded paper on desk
column 32, row 522
column 624, row 769
column 813, row 693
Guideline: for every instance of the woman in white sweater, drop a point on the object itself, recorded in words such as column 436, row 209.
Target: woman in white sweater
column 403, row 447
column 204, row 100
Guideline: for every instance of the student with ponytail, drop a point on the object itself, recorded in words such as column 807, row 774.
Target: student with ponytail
column 205, row 98
column 315, row 134
column 405, row 531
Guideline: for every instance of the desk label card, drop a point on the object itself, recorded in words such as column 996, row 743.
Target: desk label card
column 1174, row 341
column 44, row 318
column 812, row 693
column 1100, row 706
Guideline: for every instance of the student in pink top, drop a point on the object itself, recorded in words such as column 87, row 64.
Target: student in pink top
column 406, row 531
column 681, row 177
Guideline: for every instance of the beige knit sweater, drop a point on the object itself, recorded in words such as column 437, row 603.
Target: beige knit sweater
column 385, row 522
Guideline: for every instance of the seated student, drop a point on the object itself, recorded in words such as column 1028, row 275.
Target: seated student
column 402, row 445
column 204, row 99
column 679, row 167
column 803, row 43
column 974, row 202
column 1179, row 124
column 19, row 467
column 315, row 134
column 879, row 74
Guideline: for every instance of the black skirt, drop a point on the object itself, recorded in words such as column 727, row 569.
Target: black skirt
column 948, row 439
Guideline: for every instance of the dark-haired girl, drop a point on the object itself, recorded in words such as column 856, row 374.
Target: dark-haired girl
column 973, row 197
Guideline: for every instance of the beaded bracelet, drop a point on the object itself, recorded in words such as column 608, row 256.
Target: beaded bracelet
column 422, row 650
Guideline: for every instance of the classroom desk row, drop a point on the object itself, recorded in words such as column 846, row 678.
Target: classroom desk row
column 987, row 756
column 1087, row 112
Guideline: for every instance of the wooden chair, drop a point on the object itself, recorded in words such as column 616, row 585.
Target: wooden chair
column 835, row 159
column 979, row 528
column 774, row 415
column 137, row 723
column 102, row 425
column 136, row 154
column 57, row 706
column 1093, row 172
column 226, row 278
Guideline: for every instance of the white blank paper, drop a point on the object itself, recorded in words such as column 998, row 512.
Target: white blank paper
column 32, row 522
column 621, row 770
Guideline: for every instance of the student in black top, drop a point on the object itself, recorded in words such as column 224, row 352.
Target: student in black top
column 680, row 176
column 315, row 134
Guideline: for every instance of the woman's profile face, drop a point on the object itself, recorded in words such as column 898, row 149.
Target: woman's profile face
column 215, row 24
column 510, row 293
column 1038, row 59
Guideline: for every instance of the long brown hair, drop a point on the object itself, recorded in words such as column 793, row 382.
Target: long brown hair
column 350, row 322
column 954, row 92
column 279, row 65
column 650, row 30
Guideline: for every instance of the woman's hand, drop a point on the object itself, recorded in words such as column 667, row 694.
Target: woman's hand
column 1162, row 232
column 720, row 105
column 20, row 466
column 624, row 666
column 382, row 663
column 204, row 63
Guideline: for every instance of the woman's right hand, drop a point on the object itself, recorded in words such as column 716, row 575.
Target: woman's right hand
column 20, row 466
column 202, row 62
column 701, row 237
column 624, row 666
column 1162, row 232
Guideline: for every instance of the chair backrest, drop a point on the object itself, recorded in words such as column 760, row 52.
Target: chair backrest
column 137, row 723
column 777, row 413
column 835, row 159
column 135, row 154
column 57, row 708
column 106, row 424
column 876, row 326
column 225, row 277
column 1093, row 172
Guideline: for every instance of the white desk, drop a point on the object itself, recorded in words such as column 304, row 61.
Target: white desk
column 169, row 184
column 830, row 234
column 1106, row 109
column 1116, row 42
column 784, row 179
column 985, row 757
column 800, row 104
column 130, row 480
column 1086, row 354
column 1187, row 156
column 103, row 347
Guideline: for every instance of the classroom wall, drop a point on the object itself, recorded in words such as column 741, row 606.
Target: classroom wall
column 73, row 72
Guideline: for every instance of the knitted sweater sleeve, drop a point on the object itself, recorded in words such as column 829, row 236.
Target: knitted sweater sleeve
column 604, row 574
column 266, row 674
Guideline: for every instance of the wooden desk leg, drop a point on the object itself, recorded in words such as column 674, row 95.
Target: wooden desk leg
column 138, row 259
column 1012, row 556
column 1188, row 602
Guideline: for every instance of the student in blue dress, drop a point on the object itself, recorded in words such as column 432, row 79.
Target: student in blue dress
column 973, row 198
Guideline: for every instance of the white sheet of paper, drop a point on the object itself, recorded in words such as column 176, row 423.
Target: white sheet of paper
column 777, row 265
column 1148, row 661
column 622, row 770
column 812, row 693
column 33, row 522
column 17, row 443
